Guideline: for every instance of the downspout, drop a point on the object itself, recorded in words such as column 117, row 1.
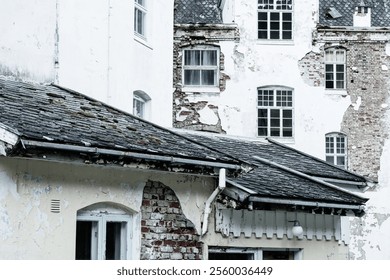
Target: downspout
column 211, row 199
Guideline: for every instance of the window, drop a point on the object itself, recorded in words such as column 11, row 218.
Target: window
column 200, row 67
column 336, row 149
column 275, row 112
column 275, row 19
column 103, row 234
column 140, row 103
column 335, row 68
column 139, row 17
column 255, row 253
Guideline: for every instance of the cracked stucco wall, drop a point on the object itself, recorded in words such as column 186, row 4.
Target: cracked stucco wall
column 366, row 123
column 30, row 230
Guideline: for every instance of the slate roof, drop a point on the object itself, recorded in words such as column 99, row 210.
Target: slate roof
column 380, row 16
column 197, row 11
column 273, row 182
column 52, row 114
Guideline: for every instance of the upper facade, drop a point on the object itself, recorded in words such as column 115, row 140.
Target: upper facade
column 105, row 49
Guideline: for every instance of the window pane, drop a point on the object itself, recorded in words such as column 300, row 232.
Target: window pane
column 113, row 240
column 192, row 77
column 208, row 77
column 330, row 159
column 275, row 16
column 209, row 57
column 262, row 16
column 287, row 17
column 192, row 57
column 275, row 131
column 274, row 34
column 287, row 132
column 341, row 161
column 85, row 241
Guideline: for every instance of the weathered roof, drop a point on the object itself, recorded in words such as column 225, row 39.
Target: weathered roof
column 268, row 180
column 196, row 11
column 51, row 114
column 343, row 11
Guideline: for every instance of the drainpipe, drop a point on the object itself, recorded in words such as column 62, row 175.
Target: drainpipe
column 210, row 200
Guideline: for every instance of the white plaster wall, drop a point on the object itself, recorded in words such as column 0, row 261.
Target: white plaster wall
column 371, row 234
column 95, row 47
column 28, row 230
column 27, row 41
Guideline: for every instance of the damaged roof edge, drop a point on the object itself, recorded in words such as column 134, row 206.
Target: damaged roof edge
column 117, row 153
column 362, row 178
column 365, row 199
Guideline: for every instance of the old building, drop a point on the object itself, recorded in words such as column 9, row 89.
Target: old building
column 107, row 49
column 313, row 75
column 83, row 180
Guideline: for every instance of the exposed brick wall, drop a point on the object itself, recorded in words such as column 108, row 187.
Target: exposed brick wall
column 312, row 69
column 185, row 113
column 165, row 231
column 367, row 79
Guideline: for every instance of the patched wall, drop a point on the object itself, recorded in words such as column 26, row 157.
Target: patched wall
column 196, row 108
column 166, row 232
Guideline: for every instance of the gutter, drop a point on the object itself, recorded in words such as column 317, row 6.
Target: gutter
column 110, row 152
column 210, row 200
column 306, row 203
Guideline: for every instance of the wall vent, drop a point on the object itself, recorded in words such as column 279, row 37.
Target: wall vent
column 55, row 206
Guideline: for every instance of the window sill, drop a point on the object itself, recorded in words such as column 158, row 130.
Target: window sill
column 201, row 89
column 142, row 40
column 275, row 42
column 342, row 92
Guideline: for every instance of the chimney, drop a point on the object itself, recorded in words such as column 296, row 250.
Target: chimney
column 362, row 15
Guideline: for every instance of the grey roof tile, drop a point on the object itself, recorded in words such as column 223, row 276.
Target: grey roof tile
column 197, row 11
column 56, row 115
column 380, row 12
column 269, row 181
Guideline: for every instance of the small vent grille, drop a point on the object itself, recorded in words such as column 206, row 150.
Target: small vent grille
column 55, row 206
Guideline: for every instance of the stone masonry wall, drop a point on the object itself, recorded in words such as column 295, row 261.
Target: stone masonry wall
column 166, row 234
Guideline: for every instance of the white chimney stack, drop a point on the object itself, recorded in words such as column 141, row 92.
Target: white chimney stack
column 362, row 15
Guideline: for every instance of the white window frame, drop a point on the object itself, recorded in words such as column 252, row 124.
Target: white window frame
column 99, row 230
column 257, row 253
column 273, row 105
column 332, row 69
column 266, row 10
column 336, row 146
column 141, row 98
column 140, row 8
column 201, row 68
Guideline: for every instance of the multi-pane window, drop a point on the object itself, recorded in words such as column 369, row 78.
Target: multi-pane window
column 275, row 112
column 275, row 19
column 336, row 149
column 335, row 68
column 102, row 236
column 200, row 67
column 139, row 17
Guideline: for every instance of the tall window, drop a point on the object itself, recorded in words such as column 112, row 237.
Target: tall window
column 139, row 17
column 336, row 149
column 275, row 19
column 200, row 67
column 275, row 111
column 140, row 103
column 335, row 68
column 101, row 235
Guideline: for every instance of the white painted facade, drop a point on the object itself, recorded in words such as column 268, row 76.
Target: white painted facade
column 30, row 228
column 90, row 46
column 252, row 63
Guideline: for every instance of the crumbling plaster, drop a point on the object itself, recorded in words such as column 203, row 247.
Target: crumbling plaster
column 29, row 230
